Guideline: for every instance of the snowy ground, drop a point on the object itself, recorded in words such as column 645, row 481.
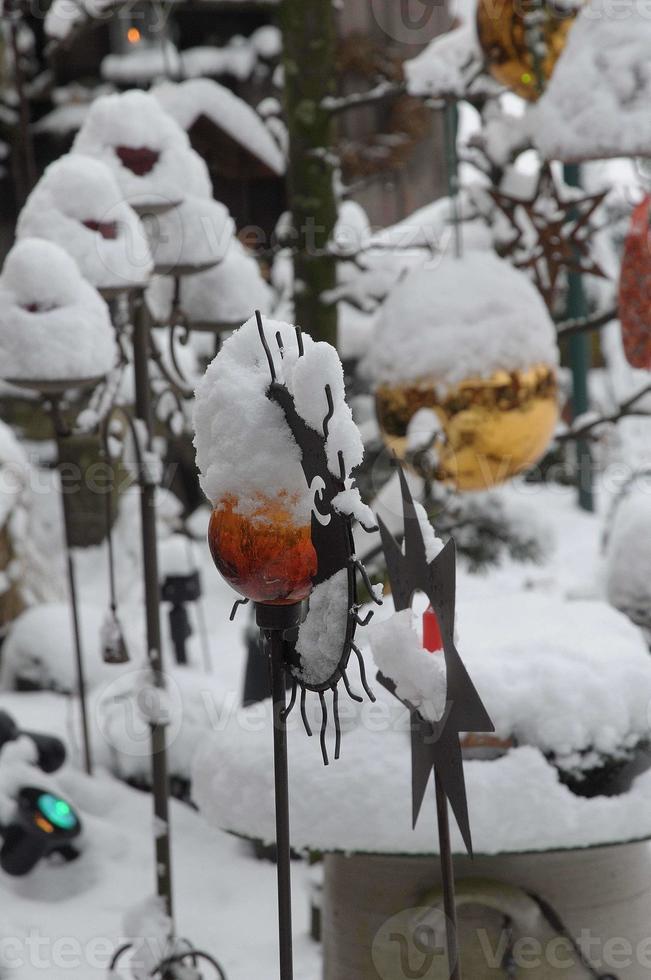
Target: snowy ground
column 62, row 921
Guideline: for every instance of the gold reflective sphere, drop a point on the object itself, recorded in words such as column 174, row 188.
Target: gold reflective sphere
column 501, row 31
column 492, row 428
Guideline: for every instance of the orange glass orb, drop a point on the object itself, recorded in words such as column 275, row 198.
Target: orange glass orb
column 501, row 29
column 265, row 555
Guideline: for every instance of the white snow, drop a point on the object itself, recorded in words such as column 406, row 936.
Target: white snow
column 462, row 318
column 135, row 121
column 244, row 446
column 176, row 556
column 449, row 66
column 321, row 635
column 596, row 102
column 562, row 677
column 40, row 648
column 195, row 234
column 53, row 324
column 628, row 573
column 419, row 675
column 224, row 295
column 76, row 190
column 187, row 101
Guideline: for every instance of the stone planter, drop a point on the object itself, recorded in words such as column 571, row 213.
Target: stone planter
column 381, row 918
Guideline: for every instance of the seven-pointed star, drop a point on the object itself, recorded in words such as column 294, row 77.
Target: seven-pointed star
column 551, row 234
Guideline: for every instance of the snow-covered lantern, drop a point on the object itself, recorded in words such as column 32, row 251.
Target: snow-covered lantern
column 180, row 582
column 147, row 151
column 523, row 41
column 55, row 329
column 78, row 205
column 464, row 365
column 221, row 298
column 192, row 237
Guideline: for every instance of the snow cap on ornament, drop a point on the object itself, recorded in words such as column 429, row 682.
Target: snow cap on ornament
column 147, row 151
column 53, row 325
column 276, row 444
column 78, row 205
column 467, row 350
column 217, row 298
column 192, row 237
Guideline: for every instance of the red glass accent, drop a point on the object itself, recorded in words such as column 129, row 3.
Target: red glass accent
column 140, row 160
column 432, row 639
column 635, row 289
column 264, row 556
column 107, row 229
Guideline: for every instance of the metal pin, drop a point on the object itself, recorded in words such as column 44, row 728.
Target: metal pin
column 362, row 672
column 263, row 338
column 324, row 727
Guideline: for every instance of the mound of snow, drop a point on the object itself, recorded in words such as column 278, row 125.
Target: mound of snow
column 227, row 294
column 628, row 576
column 39, row 650
column 195, row 234
column 78, row 205
column 53, row 324
column 597, row 101
column 463, row 318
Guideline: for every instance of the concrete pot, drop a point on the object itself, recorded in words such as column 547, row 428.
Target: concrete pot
column 382, row 918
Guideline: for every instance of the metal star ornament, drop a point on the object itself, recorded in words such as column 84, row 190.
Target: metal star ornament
column 552, row 234
column 435, row 746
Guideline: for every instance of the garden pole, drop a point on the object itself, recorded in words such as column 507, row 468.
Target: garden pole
column 447, row 877
column 148, row 482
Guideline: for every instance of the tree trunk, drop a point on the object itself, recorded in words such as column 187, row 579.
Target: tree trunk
column 309, row 62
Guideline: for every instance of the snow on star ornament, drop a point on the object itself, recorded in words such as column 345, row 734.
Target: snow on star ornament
column 276, row 445
column 635, row 289
column 523, row 41
column 465, row 359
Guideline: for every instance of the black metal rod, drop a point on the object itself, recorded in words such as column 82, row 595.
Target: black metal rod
column 447, row 876
column 160, row 778
column 275, row 644
column 61, row 432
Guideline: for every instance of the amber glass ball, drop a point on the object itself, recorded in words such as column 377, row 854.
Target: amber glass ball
column 492, row 428
column 264, row 555
column 501, row 28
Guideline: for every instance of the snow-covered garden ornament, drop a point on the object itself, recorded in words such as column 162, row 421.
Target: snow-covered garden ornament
column 635, row 288
column 465, row 368
column 78, row 205
column 522, row 42
column 427, row 566
column 276, row 444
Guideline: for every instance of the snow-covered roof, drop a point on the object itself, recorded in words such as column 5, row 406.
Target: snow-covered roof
column 53, row 324
column 187, row 101
column 597, row 101
column 454, row 319
column 561, row 677
column 146, row 149
column 78, row 205
column 225, row 294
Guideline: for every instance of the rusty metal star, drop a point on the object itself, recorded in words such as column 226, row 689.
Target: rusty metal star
column 552, row 234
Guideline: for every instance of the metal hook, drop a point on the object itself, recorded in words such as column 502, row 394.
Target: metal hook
column 324, row 727
column 335, row 712
column 362, row 672
column 306, row 724
column 299, row 341
column 351, row 693
column 236, row 606
column 367, row 582
column 331, row 411
column 292, row 701
column 263, row 339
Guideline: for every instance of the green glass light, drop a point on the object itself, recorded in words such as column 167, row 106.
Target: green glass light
column 57, row 811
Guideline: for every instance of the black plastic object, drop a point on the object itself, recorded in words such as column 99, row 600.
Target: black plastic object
column 179, row 590
column 43, row 824
column 51, row 751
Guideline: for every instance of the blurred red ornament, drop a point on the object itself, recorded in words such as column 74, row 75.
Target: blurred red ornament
column 107, row 229
column 265, row 556
column 432, row 639
column 635, row 289
column 140, row 160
